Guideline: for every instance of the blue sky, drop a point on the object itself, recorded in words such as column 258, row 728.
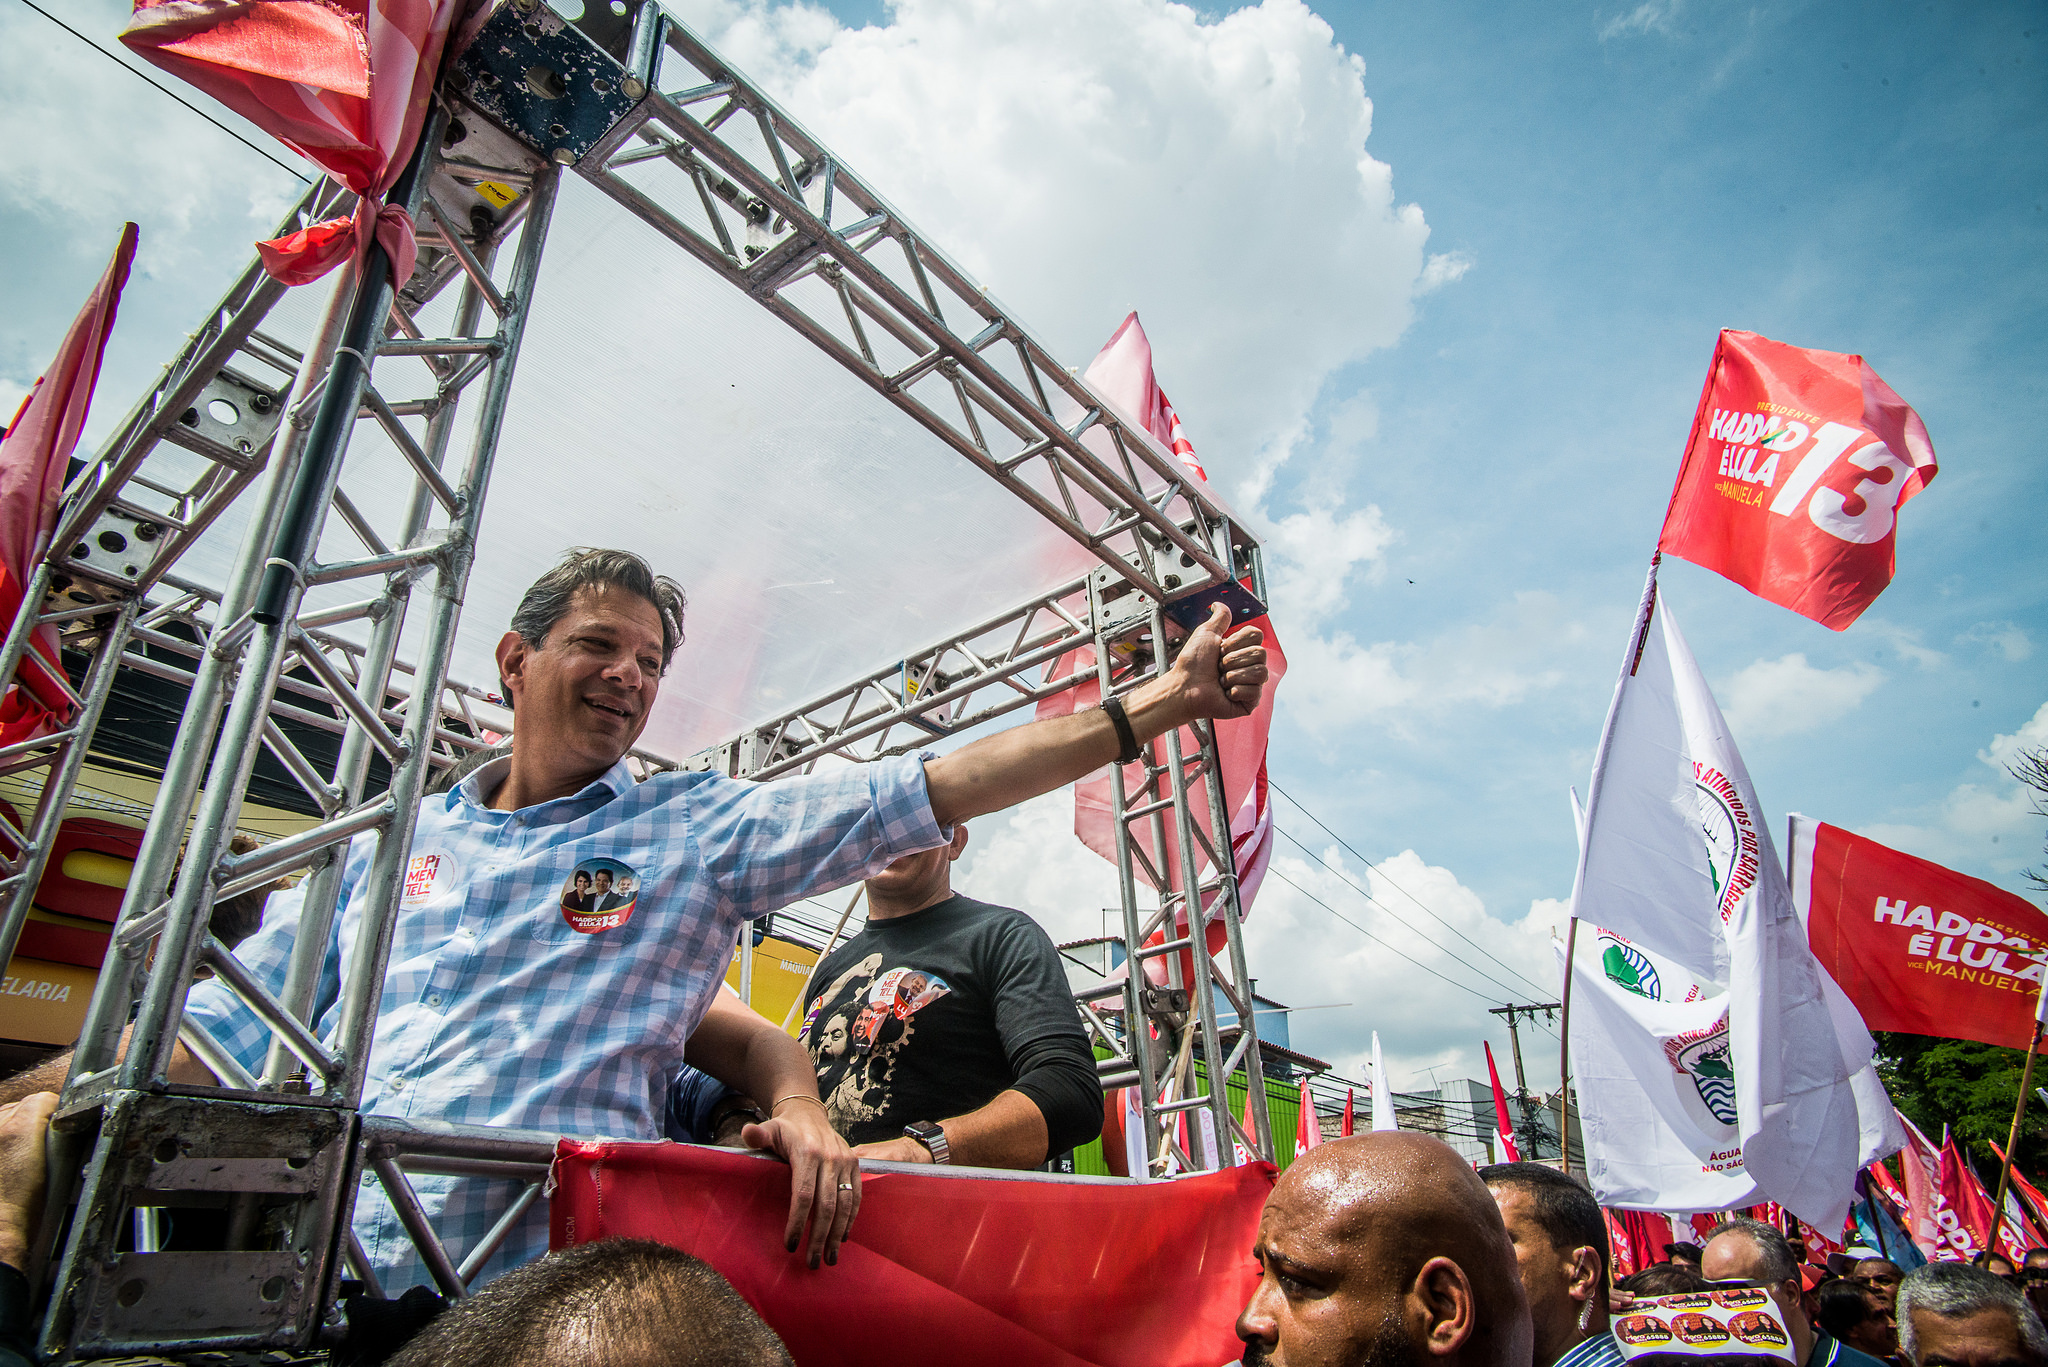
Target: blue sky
column 1445, row 346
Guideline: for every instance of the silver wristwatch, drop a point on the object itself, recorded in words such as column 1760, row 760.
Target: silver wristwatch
column 932, row 1137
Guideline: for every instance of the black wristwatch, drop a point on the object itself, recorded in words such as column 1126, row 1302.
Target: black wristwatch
column 932, row 1137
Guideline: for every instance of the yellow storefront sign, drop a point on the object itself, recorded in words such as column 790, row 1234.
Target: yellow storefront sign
column 781, row 968
column 44, row 1003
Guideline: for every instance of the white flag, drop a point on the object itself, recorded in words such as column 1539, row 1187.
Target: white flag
column 1656, row 1089
column 1382, row 1097
column 1676, row 859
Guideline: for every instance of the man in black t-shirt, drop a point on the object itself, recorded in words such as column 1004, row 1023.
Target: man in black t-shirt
column 945, row 1031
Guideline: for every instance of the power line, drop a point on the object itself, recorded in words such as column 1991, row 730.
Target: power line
column 1510, row 989
column 1374, row 938
column 166, row 90
column 1397, row 887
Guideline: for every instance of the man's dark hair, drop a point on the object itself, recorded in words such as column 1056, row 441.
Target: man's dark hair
column 1664, row 1279
column 1844, row 1304
column 586, row 567
column 1567, row 1212
column 614, row 1303
column 1780, row 1263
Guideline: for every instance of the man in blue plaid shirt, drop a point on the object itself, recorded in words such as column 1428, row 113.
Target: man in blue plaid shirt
column 509, row 1000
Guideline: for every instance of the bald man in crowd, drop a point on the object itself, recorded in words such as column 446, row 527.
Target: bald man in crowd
column 1384, row 1250
column 1750, row 1252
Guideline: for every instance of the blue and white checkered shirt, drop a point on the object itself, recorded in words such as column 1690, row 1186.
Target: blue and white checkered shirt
column 503, row 1007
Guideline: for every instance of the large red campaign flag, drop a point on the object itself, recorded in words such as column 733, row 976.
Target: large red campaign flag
column 1918, row 947
column 950, row 1266
column 1794, row 472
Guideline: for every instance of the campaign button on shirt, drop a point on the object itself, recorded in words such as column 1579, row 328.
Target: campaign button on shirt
column 599, row 896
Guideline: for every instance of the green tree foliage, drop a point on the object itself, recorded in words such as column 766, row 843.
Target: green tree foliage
column 1970, row 1088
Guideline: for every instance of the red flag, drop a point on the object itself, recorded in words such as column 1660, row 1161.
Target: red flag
column 994, row 1268
column 34, row 458
column 346, row 86
column 1308, row 1131
column 2032, row 1208
column 1636, row 1239
column 1501, row 1124
column 1349, row 1096
column 1915, row 946
column 1963, row 1196
column 1797, row 464
column 1122, row 373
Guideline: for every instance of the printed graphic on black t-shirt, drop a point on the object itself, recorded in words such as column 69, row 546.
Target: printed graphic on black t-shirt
column 922, row 1017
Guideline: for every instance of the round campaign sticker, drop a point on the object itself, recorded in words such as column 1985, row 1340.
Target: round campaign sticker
column 428, row 874
column 600, row 895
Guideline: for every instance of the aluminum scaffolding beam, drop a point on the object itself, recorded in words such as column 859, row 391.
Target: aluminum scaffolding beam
column 722, row 172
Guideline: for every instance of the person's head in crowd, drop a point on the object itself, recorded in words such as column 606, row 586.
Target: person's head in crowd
column 2034, row 1278
column 583, row 660
column 1560, row 1244
column 1384, row 1249
column 614, row 1303
column 1997, row 1264
column 1686, row 1254
column 1746, row 1250
column 1882, row 1275
column 1858, row 1315
column 1957, row 1315
column 1663, row 1279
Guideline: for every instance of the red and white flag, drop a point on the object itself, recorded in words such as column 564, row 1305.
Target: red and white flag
column 1948, row 1211
column 1915, row 946
column 1797, row 465
column 1308, row 1131
column 1503, row 1127
column 344, row 85
column 1122, row 373
column 34, row 458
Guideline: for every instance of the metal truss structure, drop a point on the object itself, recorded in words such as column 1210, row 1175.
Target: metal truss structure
column 418, row 373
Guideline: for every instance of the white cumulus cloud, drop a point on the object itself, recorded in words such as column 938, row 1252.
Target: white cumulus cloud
column 1086, row 160
column 2008, row 639
column 1786, row 696
column 1990, row 820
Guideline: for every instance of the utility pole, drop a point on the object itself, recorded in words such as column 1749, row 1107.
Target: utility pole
column 1514, row 1014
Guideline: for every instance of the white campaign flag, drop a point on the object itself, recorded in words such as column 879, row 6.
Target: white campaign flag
column 1382, row 1097
column 1656, row 1089
column 1677, row 860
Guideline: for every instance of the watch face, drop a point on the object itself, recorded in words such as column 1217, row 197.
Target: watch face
column 923, row 1129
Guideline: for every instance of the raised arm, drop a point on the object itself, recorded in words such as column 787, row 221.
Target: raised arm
column 1215, row 676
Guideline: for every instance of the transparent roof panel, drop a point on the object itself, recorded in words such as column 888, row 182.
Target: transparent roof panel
column 820, row 531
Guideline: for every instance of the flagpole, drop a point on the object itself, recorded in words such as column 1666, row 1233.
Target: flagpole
column 2012, row 1138
column 1629, row 664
